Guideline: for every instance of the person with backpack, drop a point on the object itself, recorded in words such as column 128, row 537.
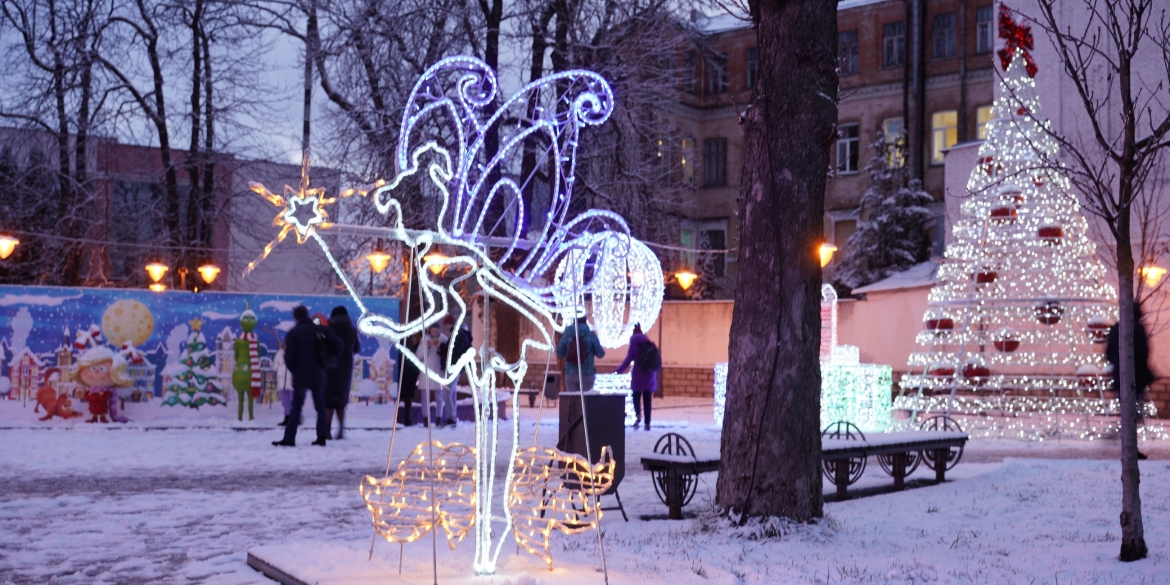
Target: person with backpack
column 644, row 356
column 578, row 346
column 455, row 345
column 309, row 349
column 338, row 379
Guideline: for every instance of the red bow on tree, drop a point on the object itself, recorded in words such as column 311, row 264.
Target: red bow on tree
column 1019, row 40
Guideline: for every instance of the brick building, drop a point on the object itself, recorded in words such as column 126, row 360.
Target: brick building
column 920, row 66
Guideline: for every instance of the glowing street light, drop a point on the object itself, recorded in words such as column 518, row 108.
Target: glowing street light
column 208, row 271
column 1152, row 274
column 685, row 278
column 435, row 262
column 156, row 270
column 7, row 245
column 379, row 260
column 826, row 250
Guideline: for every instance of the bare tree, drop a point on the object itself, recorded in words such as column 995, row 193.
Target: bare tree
column 1100, row 45
column 770, row 450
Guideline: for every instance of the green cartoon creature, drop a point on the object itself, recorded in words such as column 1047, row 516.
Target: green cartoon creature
column 246, row 375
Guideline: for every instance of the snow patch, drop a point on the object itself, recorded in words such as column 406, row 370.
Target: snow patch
column 44, row 300
column 280, row 305
column 217, row 316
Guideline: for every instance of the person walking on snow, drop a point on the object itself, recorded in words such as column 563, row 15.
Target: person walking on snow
column 578, row 346
column 644, row 356
column 307, row 346
column 338, row 379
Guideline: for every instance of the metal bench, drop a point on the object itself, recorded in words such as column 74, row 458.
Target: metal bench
column 675, row 470
column 845, row 449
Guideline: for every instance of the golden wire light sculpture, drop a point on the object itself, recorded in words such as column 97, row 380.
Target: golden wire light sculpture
column 551, row 490
column 401, row 504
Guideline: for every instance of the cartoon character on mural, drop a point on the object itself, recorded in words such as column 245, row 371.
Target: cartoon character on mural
column 54, row 404
column 101, row 372
column 246, row 377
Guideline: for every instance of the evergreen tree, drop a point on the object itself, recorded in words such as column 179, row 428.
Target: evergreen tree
column 195, row 384
column 891, row 238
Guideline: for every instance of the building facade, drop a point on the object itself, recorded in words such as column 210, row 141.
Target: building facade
column 918, row 67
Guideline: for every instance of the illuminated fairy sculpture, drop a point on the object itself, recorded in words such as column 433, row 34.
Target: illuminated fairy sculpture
column 491, row 162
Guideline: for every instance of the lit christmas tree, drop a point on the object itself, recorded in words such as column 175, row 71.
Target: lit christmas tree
column 1014, row 332
column 195, row 384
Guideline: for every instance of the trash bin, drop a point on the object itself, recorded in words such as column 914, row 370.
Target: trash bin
column 552, row 385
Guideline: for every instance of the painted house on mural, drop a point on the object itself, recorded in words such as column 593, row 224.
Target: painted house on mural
column 24, row 374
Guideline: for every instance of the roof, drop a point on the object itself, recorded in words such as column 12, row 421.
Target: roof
column 917, row 276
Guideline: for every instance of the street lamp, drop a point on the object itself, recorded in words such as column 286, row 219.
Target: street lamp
column 379, row 260
column 158, row 287
column 435, row 262
column 685, row 278
column 208, row 271
column 1152, row 274
column 7, row 245
column 826, row 250
column 156, row 270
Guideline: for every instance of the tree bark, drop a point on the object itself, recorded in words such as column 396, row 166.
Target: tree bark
column 771, row 441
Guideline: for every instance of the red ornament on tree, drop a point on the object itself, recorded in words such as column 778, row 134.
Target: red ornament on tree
column 1051, row 234
column 1006, row 340
column 1049, row 312
column 1019, row 42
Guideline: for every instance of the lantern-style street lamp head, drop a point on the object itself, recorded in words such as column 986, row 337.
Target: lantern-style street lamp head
column 826, row 251
column 1152, row 275
column 156, row 270
column 208, row 271
column 7, row 245
column 379, row 260
column 435, row 260
column 685, row 278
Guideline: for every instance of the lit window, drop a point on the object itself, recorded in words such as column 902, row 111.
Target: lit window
column 894, row 44
column 983, row 22
column 982, row 117
column 688, row 161
column 892, row 132
column 753, row 67
column 847, row 148
column 945, row 134
column 944, row 35
column 847, row 52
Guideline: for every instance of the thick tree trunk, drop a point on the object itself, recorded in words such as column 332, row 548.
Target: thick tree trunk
column 771, row 437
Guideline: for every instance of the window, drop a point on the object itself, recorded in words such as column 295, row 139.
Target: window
column 894, row 44
column 945, row 133
column 892, row 132
column 753, row 66
column 714, row 237
column 847, row 142
column 688, row 161
column 982, row 117
column 686, row 239
column 983, row 22
column 717, row 75
column 690, row 72
column 847, row 52
column 944, row 35
column 715, row 162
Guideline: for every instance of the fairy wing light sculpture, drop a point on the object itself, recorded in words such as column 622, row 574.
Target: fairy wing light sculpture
column 504, row 171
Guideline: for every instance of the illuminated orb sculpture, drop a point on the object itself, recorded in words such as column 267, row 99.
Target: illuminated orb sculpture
column 442, row 146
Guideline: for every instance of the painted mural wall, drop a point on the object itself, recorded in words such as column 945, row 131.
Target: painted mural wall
column 43, row 330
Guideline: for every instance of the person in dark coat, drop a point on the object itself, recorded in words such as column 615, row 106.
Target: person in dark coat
column 308, row 373
column 408, row 379
column 339, row 379
column 1143, row 377
column 643, row 383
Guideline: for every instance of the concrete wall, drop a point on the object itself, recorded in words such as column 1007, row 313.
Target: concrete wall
column 883, row 326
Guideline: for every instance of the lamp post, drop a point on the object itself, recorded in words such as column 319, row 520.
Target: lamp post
column 208, row 271
column 182, row 272
column 379, row 260
column 1152, row 274
column 685, row 278
column 826, row 251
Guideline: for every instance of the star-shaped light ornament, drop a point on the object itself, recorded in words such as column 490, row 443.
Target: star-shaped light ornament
column 300, row 210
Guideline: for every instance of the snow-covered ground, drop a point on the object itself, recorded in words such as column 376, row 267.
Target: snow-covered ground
column 178, row 498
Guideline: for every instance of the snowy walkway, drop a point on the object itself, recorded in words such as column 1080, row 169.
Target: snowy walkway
column 86, row 504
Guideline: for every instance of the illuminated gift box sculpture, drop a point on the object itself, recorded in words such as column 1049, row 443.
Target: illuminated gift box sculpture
column 851, row 391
